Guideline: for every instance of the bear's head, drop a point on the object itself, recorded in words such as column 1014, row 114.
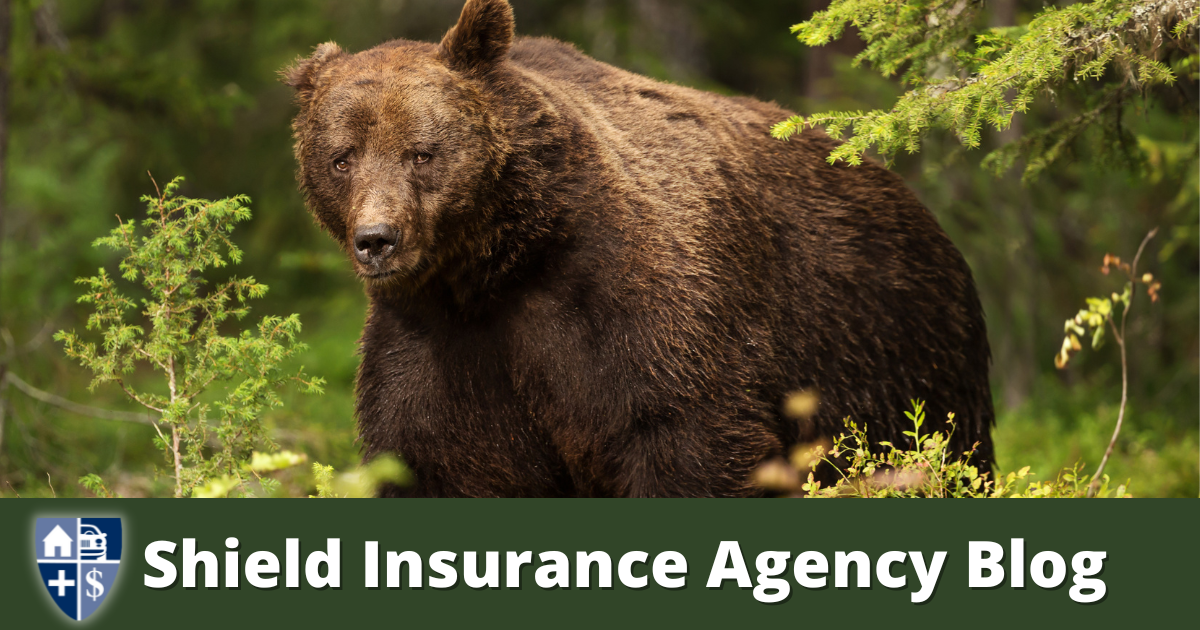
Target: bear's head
column 398, row 145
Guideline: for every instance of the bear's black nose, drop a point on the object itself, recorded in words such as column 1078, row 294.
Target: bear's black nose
column 374, row 243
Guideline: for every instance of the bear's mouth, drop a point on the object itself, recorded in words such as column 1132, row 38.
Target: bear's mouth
column 398, row 269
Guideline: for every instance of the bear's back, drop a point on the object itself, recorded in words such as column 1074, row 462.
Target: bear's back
column 843, row 263
column 641, row 119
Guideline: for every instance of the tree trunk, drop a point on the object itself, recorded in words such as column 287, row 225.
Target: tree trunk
column 5, row 62
column 1017, row 357
column 819, row 60
column 5, row 36
column 670, row 30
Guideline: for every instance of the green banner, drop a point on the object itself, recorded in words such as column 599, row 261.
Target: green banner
column 347, row 563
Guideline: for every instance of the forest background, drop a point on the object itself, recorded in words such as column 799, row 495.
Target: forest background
column 102, row 91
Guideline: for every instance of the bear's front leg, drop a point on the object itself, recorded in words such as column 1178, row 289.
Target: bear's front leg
column 672, row 455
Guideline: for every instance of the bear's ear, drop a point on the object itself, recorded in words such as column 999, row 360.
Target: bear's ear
column 302, row 75
column 481, row 38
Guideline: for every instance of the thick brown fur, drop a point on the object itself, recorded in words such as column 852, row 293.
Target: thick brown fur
column 604, row 285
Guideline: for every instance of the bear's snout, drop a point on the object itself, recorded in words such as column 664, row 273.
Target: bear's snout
column 374, row 243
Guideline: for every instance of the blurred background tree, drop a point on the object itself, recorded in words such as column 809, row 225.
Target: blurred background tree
column 102, row 91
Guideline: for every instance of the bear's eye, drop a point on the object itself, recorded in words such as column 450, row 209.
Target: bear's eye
column 422, row 158
column 341, row 165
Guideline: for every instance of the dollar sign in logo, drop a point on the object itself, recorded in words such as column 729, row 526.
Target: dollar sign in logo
column 96, row 589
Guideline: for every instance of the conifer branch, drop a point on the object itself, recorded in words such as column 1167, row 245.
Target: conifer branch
column 963, row 81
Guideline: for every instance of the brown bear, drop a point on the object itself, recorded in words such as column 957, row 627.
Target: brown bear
column 584, row 282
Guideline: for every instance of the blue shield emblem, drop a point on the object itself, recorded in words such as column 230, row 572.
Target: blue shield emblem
column 78, row 560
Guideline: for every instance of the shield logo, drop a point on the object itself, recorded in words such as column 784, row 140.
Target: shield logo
column 78, row 560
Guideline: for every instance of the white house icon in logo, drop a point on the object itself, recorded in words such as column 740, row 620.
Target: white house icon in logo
column 57, row 544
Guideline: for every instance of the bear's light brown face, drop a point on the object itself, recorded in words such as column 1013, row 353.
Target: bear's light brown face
column 393, row 147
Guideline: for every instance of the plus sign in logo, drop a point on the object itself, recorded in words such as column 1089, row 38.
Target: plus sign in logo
column 78, row 560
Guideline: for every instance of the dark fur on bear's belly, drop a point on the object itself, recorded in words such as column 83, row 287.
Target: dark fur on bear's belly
column 635, row 278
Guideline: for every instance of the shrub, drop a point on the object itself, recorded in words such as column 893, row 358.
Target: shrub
column 204, row 438
column 928, row 470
